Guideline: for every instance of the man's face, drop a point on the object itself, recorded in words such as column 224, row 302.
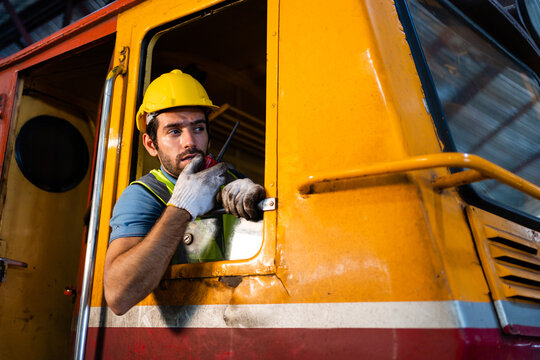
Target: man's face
column 181, row 134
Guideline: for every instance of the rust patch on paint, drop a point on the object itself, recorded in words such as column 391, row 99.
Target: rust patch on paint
column 232, row 281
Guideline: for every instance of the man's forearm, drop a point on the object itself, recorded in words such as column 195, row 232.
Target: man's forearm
column 134, row 273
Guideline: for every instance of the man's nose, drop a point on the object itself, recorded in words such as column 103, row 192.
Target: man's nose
column 188, row 140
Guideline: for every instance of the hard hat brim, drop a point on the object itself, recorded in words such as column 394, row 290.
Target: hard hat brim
column 141, row 114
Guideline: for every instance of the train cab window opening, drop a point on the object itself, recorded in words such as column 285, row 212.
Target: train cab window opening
column 54, row 166
column 226, row 53
column 491, row 101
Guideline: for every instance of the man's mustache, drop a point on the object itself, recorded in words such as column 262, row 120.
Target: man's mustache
column 188, row 152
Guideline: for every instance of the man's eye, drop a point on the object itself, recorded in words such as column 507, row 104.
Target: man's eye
column 199, row 128
column 174, row 131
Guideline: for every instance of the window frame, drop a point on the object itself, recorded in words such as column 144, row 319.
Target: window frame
column 263, row 262
column 434, row 105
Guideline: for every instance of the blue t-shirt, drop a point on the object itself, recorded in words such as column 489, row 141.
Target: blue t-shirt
column 136, row 211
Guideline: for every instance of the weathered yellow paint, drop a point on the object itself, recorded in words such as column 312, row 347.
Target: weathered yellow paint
column 443, row 214
column 45, row 230
column 345, row 229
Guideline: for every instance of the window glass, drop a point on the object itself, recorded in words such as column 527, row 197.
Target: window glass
column 55, row 166
column 490, row 101
column 225, row 50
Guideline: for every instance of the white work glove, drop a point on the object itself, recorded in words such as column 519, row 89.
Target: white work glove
column 241, row 198
column 195, row 191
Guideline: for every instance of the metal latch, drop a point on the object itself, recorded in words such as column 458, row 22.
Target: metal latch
column 268, row 204
column 5, row 262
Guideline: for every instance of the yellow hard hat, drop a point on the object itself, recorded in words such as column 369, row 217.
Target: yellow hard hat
column 171, row 90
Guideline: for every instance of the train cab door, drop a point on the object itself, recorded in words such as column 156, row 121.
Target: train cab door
column 45, row 190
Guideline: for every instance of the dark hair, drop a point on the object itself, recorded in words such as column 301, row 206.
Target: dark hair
column 151, row 130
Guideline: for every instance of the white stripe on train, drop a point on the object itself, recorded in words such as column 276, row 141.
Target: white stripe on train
column 398, row 315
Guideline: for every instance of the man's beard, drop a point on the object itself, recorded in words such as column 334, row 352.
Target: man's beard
column 173, row 166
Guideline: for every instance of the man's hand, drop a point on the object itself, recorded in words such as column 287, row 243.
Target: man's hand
column 195, row 191
column 241, row 198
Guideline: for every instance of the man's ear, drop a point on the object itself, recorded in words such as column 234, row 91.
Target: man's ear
column 149, row 145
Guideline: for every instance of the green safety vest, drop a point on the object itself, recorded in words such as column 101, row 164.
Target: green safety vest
column 208, row 234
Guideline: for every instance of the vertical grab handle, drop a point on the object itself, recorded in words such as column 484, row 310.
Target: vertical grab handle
column 84, row 307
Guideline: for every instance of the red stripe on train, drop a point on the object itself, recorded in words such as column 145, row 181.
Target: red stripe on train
column 188, row 343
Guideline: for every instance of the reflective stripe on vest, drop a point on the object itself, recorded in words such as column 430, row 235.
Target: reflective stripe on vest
column 158, row 184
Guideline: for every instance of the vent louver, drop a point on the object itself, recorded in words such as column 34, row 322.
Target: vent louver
column 509, row 254
column 516, row 263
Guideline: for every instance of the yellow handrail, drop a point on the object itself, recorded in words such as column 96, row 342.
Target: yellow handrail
column 487, row 170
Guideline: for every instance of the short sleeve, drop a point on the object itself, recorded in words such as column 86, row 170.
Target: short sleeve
column 135, row 213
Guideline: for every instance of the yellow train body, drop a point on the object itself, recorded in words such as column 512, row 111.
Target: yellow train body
column 363, row 256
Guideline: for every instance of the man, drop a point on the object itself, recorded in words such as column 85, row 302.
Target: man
column 147, row 225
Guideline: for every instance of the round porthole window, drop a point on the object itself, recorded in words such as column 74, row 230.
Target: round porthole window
column 51, row 153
